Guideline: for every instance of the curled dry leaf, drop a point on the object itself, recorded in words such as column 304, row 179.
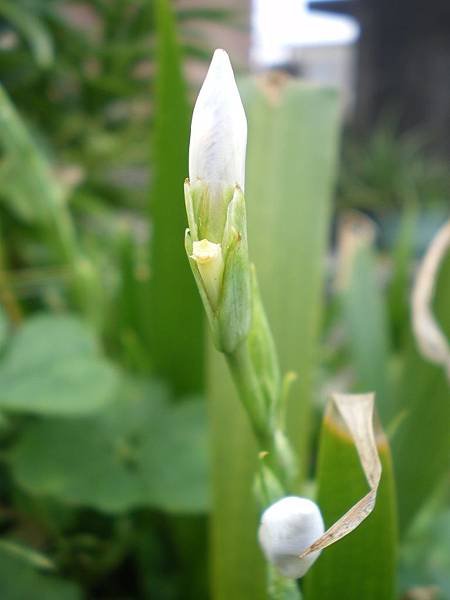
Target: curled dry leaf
column 356, row 411
column 430, row 339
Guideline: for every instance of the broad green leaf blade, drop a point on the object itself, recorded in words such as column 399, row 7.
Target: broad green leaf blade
column 421, row 443
column 291, row 159
column 291, row 163
column 20, row 580
column 175, row 315
column 53, row 367
column 362, row 565
column 139, row 451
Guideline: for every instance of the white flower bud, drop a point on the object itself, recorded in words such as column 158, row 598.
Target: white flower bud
column 287, row 528
column 218, row 129
column 208, row 257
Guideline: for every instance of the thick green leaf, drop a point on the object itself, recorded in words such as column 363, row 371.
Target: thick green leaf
column 421, row 443
column 139, row 451
column 362, row 565
column 19, row 580
column 291, row 159
column 53, row 367
column 175, row 314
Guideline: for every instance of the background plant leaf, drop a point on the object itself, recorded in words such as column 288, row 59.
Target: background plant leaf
column 175, row 311
column 32, row 29
column 20, row 580
column 139, row 451
column 366, row 326
column 421, row 443
column 52, row 366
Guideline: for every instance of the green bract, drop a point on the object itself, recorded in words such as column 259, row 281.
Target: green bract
column 221, row 222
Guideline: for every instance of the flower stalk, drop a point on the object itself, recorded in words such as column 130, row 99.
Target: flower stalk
column 216, row 246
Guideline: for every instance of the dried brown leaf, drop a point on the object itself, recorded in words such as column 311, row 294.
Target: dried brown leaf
column 430, row 339
column 356, row 411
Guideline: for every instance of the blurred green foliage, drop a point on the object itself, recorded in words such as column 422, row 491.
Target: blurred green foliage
column 118, row 459
column 52, row 367
column 104, row 481
column 390, row 170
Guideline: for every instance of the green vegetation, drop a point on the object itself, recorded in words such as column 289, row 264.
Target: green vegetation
column 127, row 464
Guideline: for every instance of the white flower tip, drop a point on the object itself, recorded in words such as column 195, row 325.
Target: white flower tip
column 220, row 63
column 287, row 528
column 219, row 128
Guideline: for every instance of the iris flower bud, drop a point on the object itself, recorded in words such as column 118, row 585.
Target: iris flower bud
column 216, row 241
column 219, row 129
column 287, row 528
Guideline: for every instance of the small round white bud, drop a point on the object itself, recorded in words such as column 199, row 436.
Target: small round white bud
column 287, row 528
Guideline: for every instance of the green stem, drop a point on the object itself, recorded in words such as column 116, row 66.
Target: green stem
column 256, row 374
column 242, row 370
column 262, row 407
column 281, row 588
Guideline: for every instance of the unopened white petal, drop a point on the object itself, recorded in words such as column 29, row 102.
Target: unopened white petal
column 219, row 128
column 287, row 528
column 208, row 257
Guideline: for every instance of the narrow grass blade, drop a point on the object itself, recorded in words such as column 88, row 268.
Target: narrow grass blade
column 402, row 259
column 175, row 318
column 364, row 310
